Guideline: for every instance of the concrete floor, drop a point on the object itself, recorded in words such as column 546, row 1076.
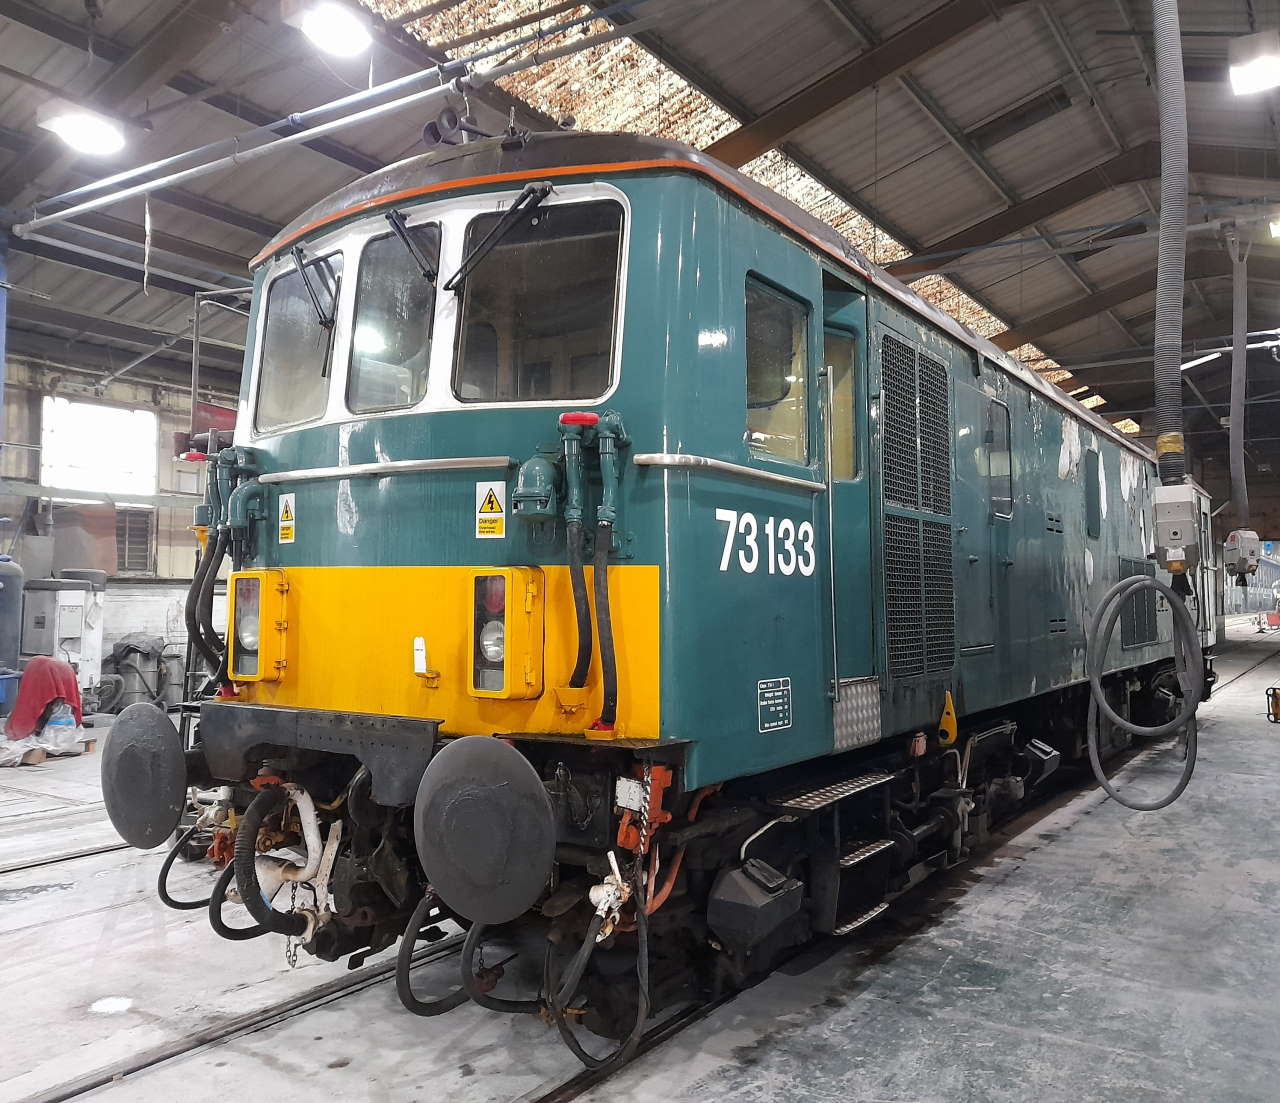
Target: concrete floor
column 1094, row 954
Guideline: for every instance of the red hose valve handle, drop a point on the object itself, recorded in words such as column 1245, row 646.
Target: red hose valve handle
column 193, row 457
column 579, row 417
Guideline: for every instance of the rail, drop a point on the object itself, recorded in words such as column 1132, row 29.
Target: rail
column 738, row 470
column 383, row 468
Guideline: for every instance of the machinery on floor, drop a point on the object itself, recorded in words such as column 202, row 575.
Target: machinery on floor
column 627, row 569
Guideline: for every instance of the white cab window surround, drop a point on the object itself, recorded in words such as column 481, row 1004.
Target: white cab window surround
column 453, row 216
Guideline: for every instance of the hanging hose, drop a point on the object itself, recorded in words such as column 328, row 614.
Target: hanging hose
column 471, row 983
column 561, row 990
column 608, row 660
column 246, row 855
column 581, row 607
column 235, row 934
column 204, row 607
column 404, row 962
column 162, row 882
column 191, row 614
column 1188, row 662
column 1171, row 265
column 1239, row 356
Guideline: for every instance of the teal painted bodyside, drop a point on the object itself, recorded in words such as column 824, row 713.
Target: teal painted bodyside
column 726, row 629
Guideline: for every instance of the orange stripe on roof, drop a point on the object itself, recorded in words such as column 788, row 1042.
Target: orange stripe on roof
column 391, row 198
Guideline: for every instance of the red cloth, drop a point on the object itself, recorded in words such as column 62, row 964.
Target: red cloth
column 43, row 680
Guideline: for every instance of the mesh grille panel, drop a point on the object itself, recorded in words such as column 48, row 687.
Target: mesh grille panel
column 1138, row 623
column 935, row 437
column 898, row 384
column 939, row 596
column 904, row 624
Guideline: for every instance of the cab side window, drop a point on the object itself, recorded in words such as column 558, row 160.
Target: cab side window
column 999, row 460
column 1092, row 495
column 777, row 373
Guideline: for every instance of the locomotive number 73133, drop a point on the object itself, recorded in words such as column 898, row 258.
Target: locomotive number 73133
column 779, row 544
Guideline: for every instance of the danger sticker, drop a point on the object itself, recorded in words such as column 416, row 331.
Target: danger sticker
column 287, row 513
column 491, row 511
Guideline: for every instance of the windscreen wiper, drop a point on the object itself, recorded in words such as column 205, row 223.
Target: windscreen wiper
column 402, row 232
column 300, row 262
column 526, row 201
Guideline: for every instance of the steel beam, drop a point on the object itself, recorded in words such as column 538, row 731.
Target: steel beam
column 52, row 316
column 1200, row 266
column 894, row 55
column 121, row 268
column 1130, row 167
column 36, row 18
column 98, row 360
column 190, row 28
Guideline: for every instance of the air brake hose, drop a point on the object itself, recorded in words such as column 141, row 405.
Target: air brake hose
column 561, row 990
column 162, row 882
column 581, row 606
column 604, row 623
column 190, row 615
column 217, row 899
column 204, row 607
column 1188, row 662
column 404, row 963
column 246, row 855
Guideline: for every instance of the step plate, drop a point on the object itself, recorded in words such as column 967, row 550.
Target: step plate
column 867, row 850
column 860, row 921
column 810, row 800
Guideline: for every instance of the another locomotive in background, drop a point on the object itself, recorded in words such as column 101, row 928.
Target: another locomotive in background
column 624, row 565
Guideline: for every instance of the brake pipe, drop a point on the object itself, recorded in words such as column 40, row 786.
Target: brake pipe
column 610, row 436
column 572, row 428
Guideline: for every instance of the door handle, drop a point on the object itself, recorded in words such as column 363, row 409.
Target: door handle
column 973, row 559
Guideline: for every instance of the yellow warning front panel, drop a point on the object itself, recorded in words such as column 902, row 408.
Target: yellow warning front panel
column 350, row 647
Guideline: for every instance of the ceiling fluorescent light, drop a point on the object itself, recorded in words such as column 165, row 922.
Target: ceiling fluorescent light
column 334, row 27
column 1201, row 360
column 1255, row 62
column 83, row 130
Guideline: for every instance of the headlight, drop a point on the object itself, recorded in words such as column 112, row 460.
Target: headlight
column 493, row 641
column 247, row 632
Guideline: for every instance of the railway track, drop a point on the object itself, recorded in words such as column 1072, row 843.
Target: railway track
column 249, row 1023
column 57, row 859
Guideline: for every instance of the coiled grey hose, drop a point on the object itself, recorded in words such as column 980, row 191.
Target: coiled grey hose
column 1188, row 661
column 1171, row 264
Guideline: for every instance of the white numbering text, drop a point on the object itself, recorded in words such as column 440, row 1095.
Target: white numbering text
column 778, row 546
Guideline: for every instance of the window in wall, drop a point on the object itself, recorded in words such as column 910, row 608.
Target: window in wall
column 539, row 311
column 839, row 353
column 777, row 374
column 1092, row 494
column 104, row 449
column 999, row 460
column 293, row 379
column 391, row 336
column 134, row 529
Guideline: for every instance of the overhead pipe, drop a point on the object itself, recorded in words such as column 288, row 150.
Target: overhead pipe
column 1239, row 252
column 228, row 151
column 1171, row 263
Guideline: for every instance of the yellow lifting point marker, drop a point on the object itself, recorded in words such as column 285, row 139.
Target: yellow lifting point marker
column 948, row 728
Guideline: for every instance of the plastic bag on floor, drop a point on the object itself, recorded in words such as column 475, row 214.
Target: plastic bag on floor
column 13, row 751
column 61, row 734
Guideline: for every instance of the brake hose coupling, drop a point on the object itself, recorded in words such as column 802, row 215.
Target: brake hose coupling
column 611, row 435
column 573, row 426
column 608, row 898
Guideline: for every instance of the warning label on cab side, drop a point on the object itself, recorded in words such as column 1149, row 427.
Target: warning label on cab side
column 491, row 511
column 773, row 703
column 287, row 511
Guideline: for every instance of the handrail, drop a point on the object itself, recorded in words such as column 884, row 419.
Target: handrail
column 685, row 459
column 384, row 467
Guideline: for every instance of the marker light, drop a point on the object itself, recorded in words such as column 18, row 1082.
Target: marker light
column 334, row 27
column 83, row 130
column 1255, row 62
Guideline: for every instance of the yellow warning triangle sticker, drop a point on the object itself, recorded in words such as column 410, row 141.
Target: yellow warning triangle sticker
column 490, row 504
column 286, row 514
